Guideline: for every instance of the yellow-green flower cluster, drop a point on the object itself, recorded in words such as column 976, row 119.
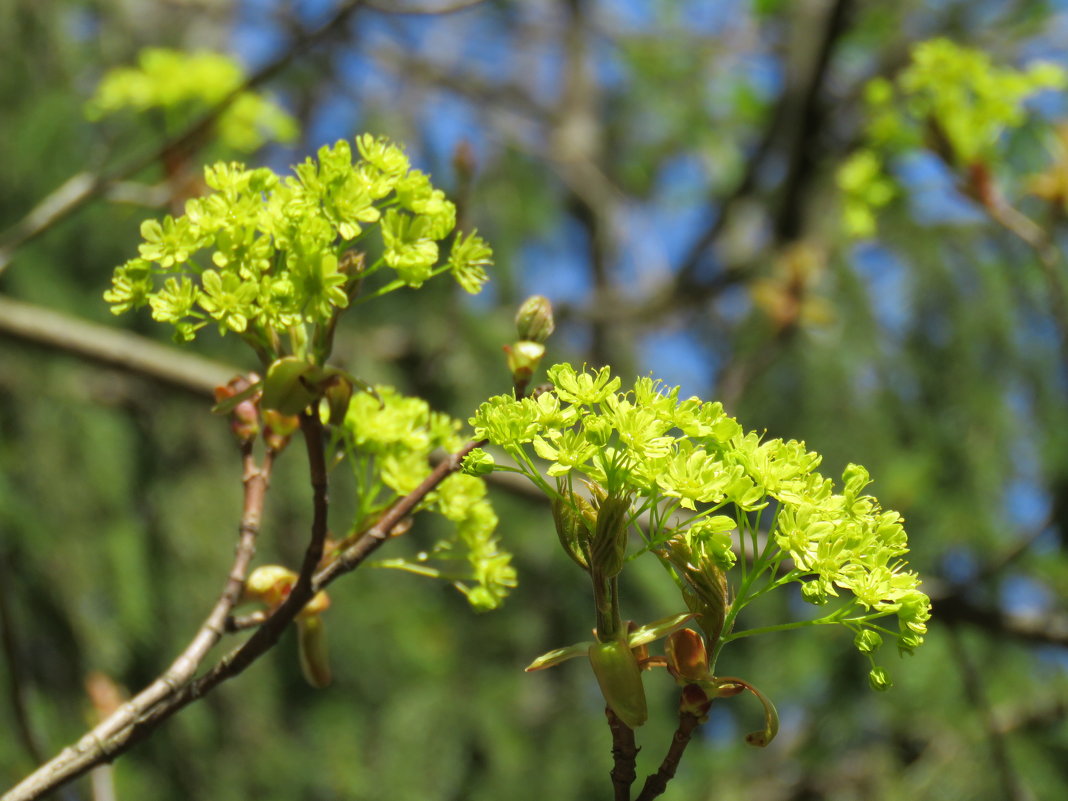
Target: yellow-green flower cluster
column 950, row 99
column 262, row 255
column 181, row 84
column 389, row 438
column 702, row 481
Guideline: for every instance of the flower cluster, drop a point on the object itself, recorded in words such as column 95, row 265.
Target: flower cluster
column 710, row 492
column 951, row 100
column 389, row 438
column 180, row 85
column 262, row 255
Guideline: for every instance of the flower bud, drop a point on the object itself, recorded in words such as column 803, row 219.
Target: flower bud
column 478, row 463
column 534, row 320
column 620, row 680
column 686, row 655
column 867, row 641
column 879, row 679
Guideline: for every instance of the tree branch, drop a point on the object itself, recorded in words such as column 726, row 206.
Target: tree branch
column 112, row 347
column 624, row 754
column 104, row 742
column 657, row 783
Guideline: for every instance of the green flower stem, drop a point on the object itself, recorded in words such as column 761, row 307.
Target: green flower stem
column 835, row 617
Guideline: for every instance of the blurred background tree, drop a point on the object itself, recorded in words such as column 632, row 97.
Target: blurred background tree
column 666, row 173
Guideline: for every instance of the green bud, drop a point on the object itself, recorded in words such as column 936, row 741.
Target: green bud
column 620, row 679
column 534, row 320
column 813, row 592
column 598, row 430
column 478, row 463
column 867, row 641
column 879, row 679
column 574, row 517
column 609, row 545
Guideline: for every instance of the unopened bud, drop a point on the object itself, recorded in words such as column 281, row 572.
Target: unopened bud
column 879, row 679
column 534, row 320
column 686, row 655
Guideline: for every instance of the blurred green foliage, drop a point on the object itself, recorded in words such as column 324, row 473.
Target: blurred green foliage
column 930, row 353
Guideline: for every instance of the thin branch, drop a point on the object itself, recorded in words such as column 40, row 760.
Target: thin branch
column 957, row 609
column 84, row 187
column 624, row 754
column 350, row 558
column 657, row 783
column 112, row 347
column 385, row 8
column 96, row 747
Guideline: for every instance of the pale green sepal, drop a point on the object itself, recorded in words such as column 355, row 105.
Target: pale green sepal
column 551, row 658
column 657, row 629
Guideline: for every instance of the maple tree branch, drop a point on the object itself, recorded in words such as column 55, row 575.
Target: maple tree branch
column 106, row 741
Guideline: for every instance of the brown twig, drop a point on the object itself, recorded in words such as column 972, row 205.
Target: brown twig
column 98, row 745
column 657, row 782
column 624, row 754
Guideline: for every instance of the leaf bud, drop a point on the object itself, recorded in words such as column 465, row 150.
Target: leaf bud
column 534, row 320
column 686, row 655
column 620, row 679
